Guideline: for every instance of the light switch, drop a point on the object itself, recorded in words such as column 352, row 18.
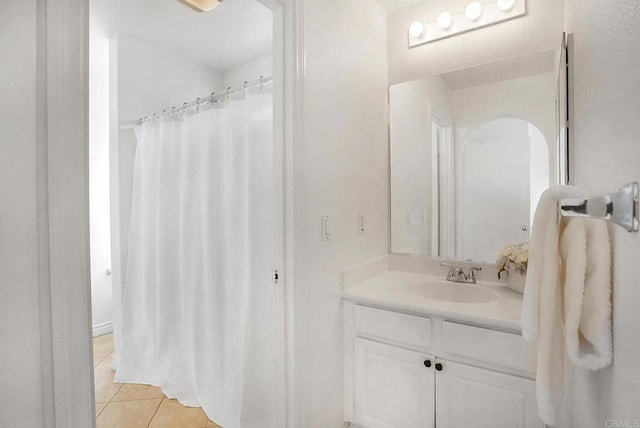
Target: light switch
column 408, row 218
column 361, row 226
column 324, row 228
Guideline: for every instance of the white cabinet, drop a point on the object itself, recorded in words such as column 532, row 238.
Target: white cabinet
column 472, row 397
column 393, row 386
column 452, row 376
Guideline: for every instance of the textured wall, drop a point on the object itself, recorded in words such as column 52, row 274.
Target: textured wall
column 606, row 60
column 20, row 375
column 343, row 170
column 539, row 30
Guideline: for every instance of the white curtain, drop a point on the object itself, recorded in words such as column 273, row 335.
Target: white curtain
column 199, row 309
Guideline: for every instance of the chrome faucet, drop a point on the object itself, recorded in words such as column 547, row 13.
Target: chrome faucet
column 456, row 274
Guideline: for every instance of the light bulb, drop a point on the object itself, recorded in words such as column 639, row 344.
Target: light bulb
column 416, row 29
column 444, row 20
column 473, row 11
column 505, row 5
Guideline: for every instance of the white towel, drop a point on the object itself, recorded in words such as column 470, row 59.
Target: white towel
column 542, row 308
column 542, row 303
column 586, row 251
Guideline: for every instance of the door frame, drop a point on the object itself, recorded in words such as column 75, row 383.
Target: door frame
column 63, row 205
column 443, row 174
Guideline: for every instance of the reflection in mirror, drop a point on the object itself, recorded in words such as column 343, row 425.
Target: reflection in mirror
column 505, row 169
column 471, row 153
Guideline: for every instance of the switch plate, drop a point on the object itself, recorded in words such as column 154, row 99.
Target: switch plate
column 324, row 228
column 361, row 224
column 408, row 218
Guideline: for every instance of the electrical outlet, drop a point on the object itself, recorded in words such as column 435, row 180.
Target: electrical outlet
column 361, row 226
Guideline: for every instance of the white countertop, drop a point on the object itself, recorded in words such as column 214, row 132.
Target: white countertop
column 389, row 290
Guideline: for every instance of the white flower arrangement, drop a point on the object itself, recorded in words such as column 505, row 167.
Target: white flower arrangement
column 513, row 257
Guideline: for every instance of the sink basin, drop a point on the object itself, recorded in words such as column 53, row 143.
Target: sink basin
column 452, row 292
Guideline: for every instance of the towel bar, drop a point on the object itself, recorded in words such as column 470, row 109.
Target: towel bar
column 620, row 207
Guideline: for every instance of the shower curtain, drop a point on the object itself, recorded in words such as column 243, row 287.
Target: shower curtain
column 199, row 309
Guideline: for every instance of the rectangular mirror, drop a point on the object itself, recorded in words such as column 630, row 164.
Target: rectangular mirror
column 471, row 153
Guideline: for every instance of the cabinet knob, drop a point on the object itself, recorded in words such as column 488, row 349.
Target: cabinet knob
column 439, row 367
column 427, row 363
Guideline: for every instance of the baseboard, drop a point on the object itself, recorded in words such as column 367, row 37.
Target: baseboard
column 103, row 328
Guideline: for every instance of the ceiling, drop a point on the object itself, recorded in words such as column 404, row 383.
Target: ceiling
column 234, row 33
column 395, row 4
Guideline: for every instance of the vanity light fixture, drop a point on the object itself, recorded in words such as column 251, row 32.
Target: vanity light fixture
column 444, row 20
column 505, row 5
column 473, row 11
column 202, row 5
column 416, row 29
column 477, row 14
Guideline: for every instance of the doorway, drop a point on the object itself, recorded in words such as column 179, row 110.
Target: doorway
column 505, row 169
column 140, row 72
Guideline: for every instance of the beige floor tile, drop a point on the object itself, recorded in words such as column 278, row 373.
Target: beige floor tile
column 128, row 414
column 97, row 361
column 212, row 424
column 106, row 389
column 103, row 338
column 99, row 408
column 133, row 391
column 102, row 346
column 172, row 414
column 105, row 368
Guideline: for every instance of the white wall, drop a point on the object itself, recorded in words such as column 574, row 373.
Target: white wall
column 412, row 105
column 606, row 132
column 144, row 79
column 342, row 170
column 247, row 72
column 20, row 359
column 541, row 29
column 99, row 191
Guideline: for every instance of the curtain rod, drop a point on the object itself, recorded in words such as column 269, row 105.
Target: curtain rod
column 205, row 100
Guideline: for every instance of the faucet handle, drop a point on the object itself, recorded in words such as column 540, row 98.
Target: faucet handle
column 472, row 273
column 451, row 268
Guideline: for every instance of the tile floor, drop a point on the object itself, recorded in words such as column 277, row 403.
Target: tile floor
column 128, row 405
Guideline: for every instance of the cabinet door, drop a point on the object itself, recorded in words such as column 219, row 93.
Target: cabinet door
column 393, row 386
column 472, row 397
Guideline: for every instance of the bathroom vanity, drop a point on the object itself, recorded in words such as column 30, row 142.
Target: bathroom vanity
column 423, row 352
column 471, row 151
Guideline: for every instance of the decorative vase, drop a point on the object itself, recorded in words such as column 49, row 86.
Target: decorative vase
column 516, row 281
